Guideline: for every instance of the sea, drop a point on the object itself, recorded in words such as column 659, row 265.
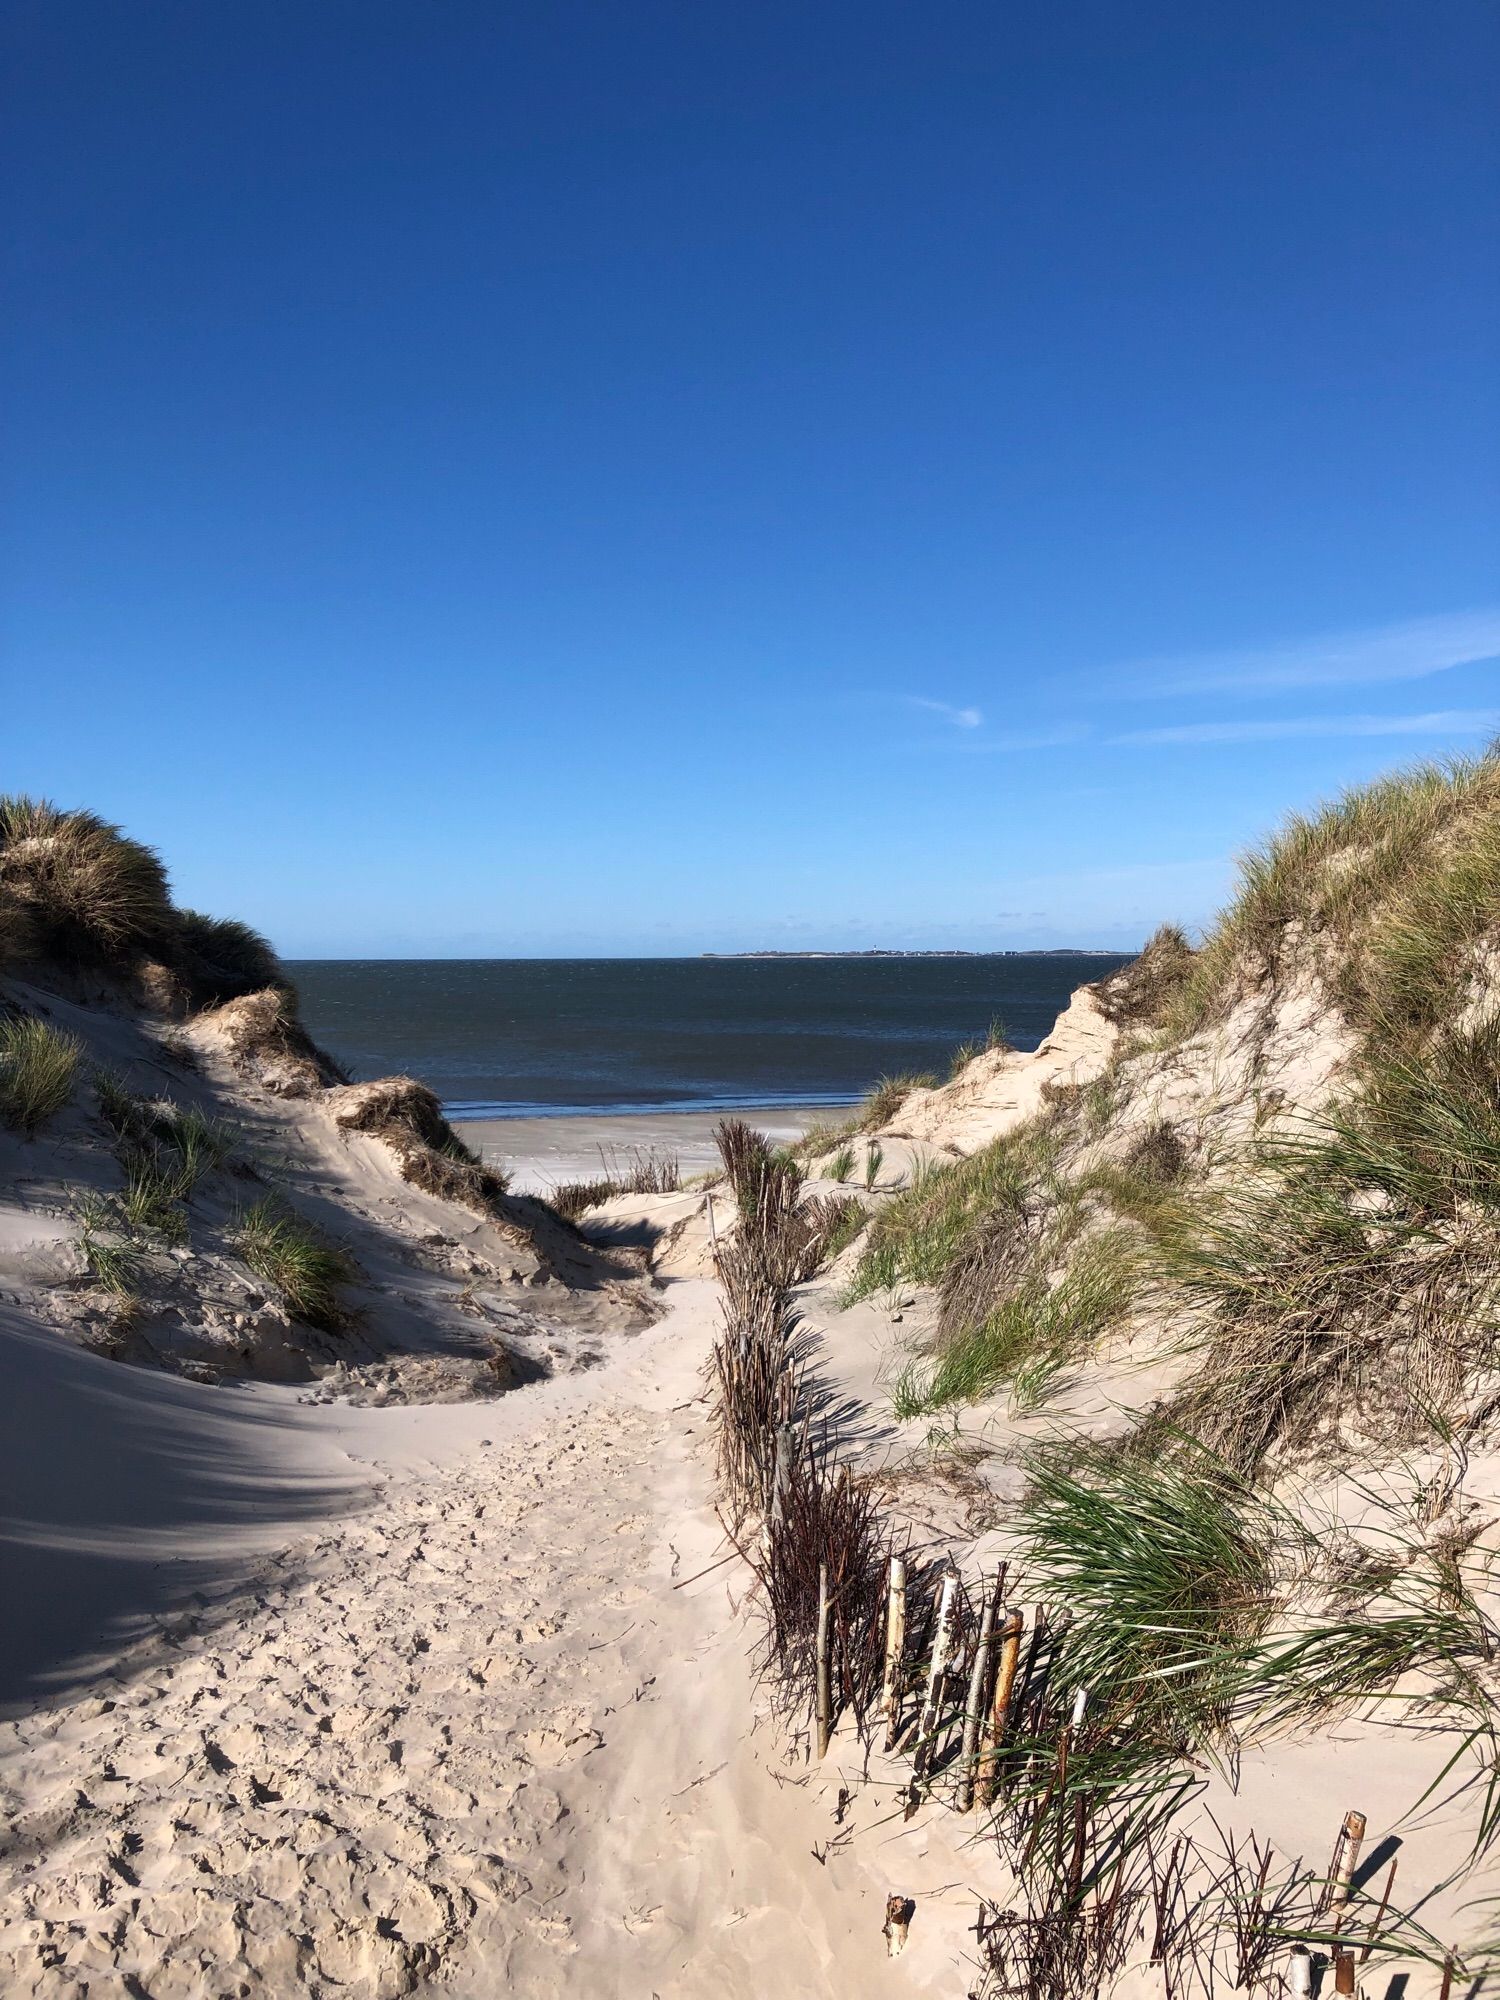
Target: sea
column 537, row 1037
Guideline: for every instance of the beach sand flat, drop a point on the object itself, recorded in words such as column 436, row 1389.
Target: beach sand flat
column 540, row 1153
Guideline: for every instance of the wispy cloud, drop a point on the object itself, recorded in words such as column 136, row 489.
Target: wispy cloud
column 1403, row 652
column 961, row 718
column 1437, row 722
column 1023, row 739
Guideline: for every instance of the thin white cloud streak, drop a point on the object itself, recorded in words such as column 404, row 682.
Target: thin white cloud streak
column 1438, row 722
column 1408, row 651
column 961, row 718
column 1039, row 739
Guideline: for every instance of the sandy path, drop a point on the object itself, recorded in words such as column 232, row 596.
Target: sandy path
column 467, row 1739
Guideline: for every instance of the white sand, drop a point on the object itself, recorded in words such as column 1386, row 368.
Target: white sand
column 460, row 1728
column 540, row 1153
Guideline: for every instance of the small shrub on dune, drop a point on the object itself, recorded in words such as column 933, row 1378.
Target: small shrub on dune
column 91, row 896
column 300, row 1264
column 38, row 1069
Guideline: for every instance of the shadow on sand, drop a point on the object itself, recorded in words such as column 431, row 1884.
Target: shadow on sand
column 126, row 1495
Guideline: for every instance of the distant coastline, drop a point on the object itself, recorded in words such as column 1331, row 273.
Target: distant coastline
column 1059, row 951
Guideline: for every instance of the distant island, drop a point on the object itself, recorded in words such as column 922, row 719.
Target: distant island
column 1057, row 951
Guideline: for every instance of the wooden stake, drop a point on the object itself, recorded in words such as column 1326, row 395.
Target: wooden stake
column 782, row 1469
column 1345, row 1861
column 1343, row 1971
column 974, row 1707
column 1374, row 1930
column 1005, row 1682
column 713, row 1234
column 895, row 1647
column 1299, row 1973
column 824, row 1665
column 1447, row 1986
column 942, row 1647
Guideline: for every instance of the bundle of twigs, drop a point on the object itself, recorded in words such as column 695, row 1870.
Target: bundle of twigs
column 782, row 1233
column 822, row 1546
column 756, row 1369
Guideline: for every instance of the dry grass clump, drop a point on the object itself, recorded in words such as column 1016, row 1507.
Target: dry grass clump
column 1334, row 1296
column 640, row 1171
column 17, row 932
column 302, row 1266
column 76, row 891
column 90, row 896
column 408, row 1118
column 266, row 1040
column 38, row 1069
column 1141, row 994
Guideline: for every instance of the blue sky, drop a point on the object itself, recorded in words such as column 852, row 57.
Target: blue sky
column 594, row 478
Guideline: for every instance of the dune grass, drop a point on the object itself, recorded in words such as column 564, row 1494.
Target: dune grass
column 303, row 1267
column 917, row 1234
column 998, row 1037
column 1167, row 1569
column 1393, row 883
column 114, row 1260
column 221, row 958
column 166, row 1149
column 876, row 1108
column 38, row 1071
column 640, row 1171
column 89, row 893
column 1032, row 1334
column 841, row 1166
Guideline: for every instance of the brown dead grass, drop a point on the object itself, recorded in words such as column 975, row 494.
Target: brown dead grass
column 407, row 1117
column 267, row 1041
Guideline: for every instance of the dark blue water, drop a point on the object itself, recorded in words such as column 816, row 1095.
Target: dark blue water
column 521, row 1037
